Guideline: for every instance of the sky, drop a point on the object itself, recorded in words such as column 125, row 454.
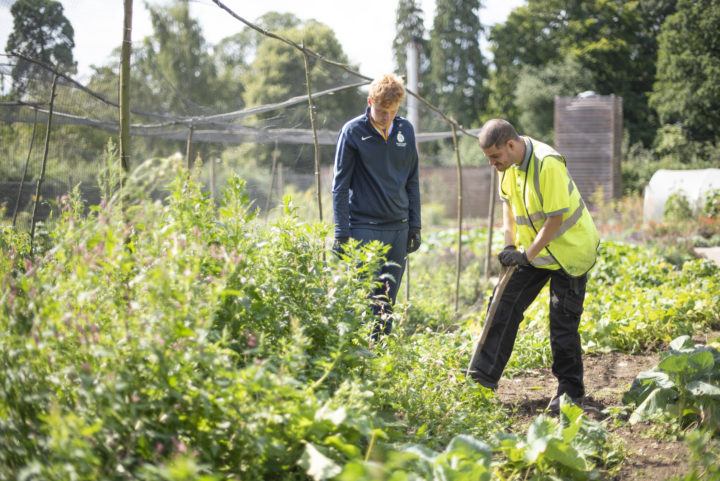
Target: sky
column 365, row 28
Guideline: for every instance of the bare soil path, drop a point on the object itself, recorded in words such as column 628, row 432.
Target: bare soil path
column 712, row 253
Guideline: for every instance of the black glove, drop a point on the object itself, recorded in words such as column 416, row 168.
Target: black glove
column 510, row 256
column 414, row 241
column 338, row 245
column 507, row 248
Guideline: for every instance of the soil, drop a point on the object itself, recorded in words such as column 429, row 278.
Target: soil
column 607, row 376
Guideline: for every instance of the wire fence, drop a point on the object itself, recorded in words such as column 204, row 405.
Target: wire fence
column 278, row 147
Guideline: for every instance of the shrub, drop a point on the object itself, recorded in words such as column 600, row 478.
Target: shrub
column 677, row 208
column 711, row 206
column 170, row 333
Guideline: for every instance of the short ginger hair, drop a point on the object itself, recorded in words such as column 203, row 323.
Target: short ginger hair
column 496, row 133
column 387, row 91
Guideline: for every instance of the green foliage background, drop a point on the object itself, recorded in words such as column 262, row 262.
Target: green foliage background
column 168, row 337
column 178, row 340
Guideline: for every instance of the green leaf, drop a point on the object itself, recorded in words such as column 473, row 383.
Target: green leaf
column 682, row 342
column 703, row 359
column 675, row 362
column 644, row 384
column 658, row 400
column 335, row 416
column 349, row 450
column 573, row 414
column 564, row 454
column 541, row 430
column 701, row 388
column 469, row 446
column 316, row 465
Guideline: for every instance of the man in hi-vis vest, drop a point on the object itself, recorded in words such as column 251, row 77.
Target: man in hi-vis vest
column 549, row 234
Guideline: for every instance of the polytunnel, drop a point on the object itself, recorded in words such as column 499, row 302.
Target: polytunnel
column 694, row 185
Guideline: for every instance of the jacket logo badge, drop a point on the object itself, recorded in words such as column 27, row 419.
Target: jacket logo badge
column 400, row 140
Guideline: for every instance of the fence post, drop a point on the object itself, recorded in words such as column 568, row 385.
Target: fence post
column 407, row 278
column 212, row 180
column 125, row 89
column 458, row 261
column 315, row 139
column 188, row 147
column 281, row 180
column 272, row 179
column 27, row 161
column 44, row 162
column 491, row 216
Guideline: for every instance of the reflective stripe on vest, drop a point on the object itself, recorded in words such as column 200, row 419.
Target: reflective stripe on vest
column 573, row 246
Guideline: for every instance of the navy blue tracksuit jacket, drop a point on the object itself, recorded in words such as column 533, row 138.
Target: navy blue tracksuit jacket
column 375, row 182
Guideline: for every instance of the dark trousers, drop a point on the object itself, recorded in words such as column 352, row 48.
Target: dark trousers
column 390, row 274
column 567, row 295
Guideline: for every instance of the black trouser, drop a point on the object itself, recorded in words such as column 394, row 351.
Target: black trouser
column 566, row 305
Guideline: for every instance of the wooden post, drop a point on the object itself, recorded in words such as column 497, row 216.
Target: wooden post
column 44, row 162
column 315, row 138
column 281, row 180
column 491, row 216
column 458, row 260
column 272, row 178
column 25, row 169
column 125, row 88
column 407, row 278
column 212, row 180
column 188, row 147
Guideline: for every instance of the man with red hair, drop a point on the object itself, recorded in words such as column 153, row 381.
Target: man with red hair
column 376, row 191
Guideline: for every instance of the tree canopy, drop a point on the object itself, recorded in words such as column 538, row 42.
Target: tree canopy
column 687, row 87
column 40, row 31
column 277, row 74
column 176, row 60
column 614, row 40
column 456, row 79
column 410, row 28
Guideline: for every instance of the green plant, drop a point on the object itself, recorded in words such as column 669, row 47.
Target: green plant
column 636, row 299
column 464, row 459
column 185, row 338
column 703, row 450
column 711, row 206
column 677, row 208
column 684, row 385
column 174, row 334
column 568, row 448
column 421, row 385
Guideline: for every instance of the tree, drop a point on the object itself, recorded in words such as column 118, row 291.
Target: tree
column 231, row 54
column 457, row 68
column 176, row 62
column 409, row 27
column 527, row 38
column 687, row 90
column 277, row 74
column 615, row 40
column 537, row 88
column 40, row 31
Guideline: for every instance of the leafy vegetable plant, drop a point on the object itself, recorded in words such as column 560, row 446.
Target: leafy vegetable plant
column 568, row 447
column 685, row 385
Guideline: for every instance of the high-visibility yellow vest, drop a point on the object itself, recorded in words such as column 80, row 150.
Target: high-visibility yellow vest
column 541, row 187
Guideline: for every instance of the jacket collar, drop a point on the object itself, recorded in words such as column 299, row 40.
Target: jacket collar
column 371, row 124
column 523, row 166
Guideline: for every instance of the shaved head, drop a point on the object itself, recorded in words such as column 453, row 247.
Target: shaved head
column 496, row 133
